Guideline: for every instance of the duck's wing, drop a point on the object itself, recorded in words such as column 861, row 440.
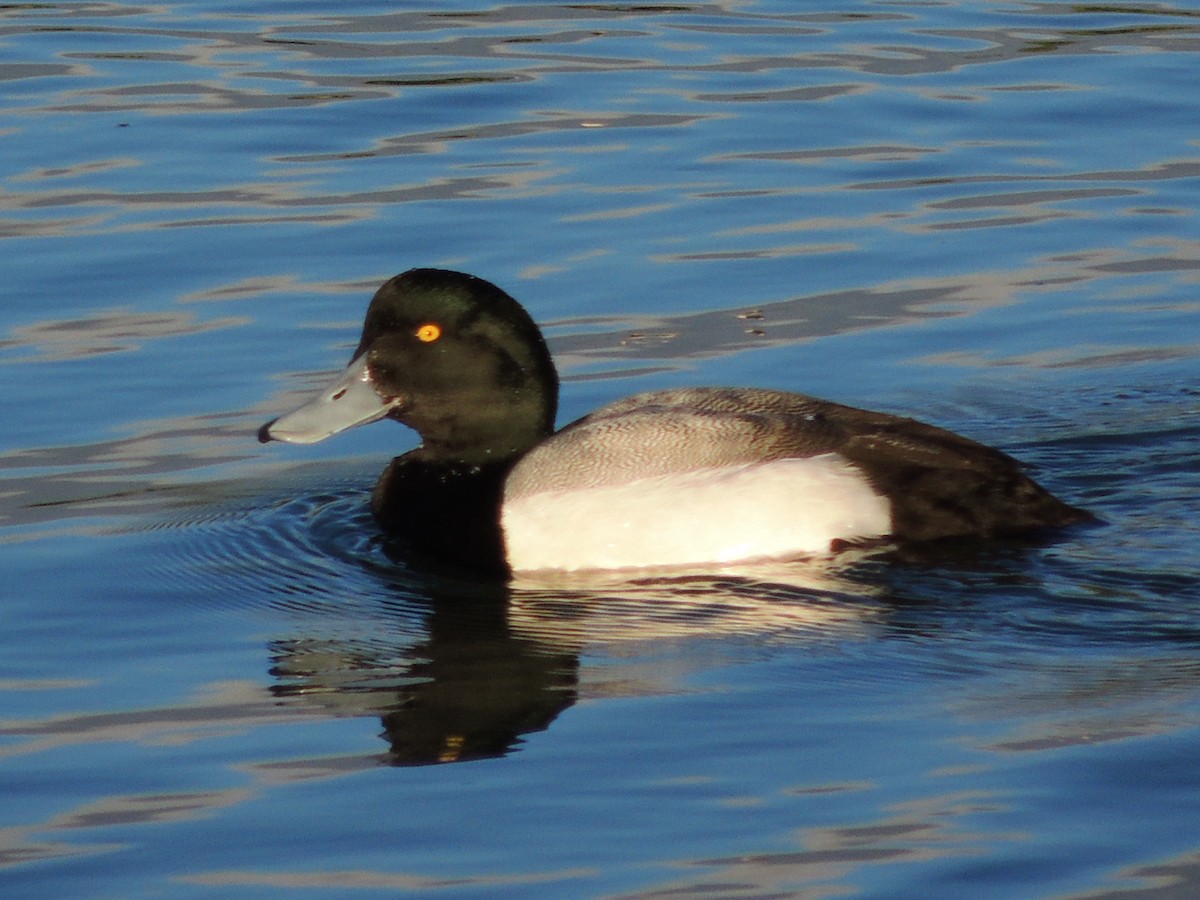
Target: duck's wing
column 664, row 433
column 943, row 485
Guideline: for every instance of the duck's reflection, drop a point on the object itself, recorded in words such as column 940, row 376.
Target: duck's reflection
column 471, row 670
column 807, row 600
column 466, row 688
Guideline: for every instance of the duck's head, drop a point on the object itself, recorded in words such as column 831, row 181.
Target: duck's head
column 451, row 356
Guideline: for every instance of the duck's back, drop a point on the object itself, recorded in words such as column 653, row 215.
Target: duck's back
column 863, row 473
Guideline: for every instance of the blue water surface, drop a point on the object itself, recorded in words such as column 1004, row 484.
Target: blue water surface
column 217, row 679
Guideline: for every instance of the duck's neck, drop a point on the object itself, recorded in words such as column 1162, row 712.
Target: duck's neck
column 444, row 497
column 444, row 508
column 487, row 427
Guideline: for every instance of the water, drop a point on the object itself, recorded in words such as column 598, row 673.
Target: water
column 217, row 679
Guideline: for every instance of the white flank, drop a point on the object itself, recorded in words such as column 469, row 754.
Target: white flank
column 787, row 507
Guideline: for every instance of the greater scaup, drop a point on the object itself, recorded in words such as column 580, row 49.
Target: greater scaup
column 675, row 477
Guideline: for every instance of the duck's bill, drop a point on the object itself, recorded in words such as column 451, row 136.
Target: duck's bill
column 349, row 401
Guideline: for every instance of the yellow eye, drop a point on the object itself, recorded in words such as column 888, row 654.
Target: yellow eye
column 429, row 332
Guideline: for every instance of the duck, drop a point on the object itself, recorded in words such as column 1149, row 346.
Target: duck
column 689, row 476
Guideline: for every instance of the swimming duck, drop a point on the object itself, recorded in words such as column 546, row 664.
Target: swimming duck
column 689, row 476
